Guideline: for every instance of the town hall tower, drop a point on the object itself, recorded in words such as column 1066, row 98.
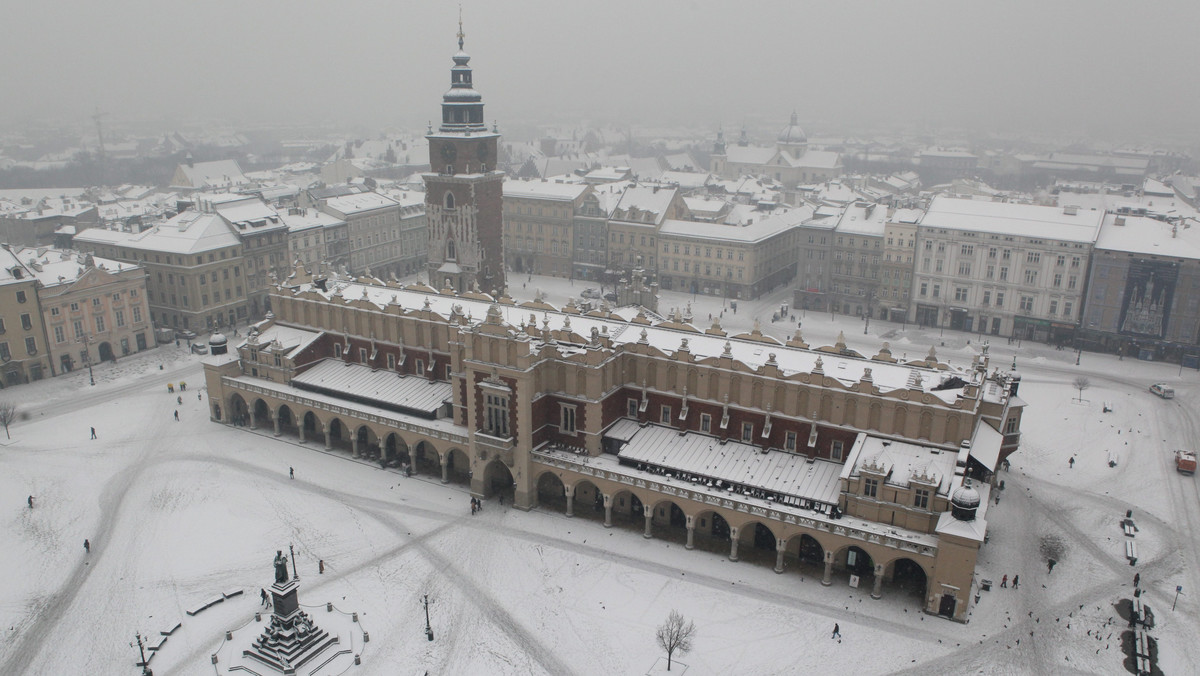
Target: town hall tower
column 464, row 191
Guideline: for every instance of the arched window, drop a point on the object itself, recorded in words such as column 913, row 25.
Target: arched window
column 449, row 200
column 450, row 250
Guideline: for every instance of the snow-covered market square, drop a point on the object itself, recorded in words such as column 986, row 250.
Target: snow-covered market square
column 185, row 514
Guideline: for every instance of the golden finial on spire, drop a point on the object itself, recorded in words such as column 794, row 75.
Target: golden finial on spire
column 461, row 34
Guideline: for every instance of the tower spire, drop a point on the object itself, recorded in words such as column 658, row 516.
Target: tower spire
column 461, row 34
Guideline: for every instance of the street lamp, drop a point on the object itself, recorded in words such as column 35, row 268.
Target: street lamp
column 87, row 353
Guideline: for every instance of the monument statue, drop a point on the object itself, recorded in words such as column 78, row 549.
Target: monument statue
column 281, row 571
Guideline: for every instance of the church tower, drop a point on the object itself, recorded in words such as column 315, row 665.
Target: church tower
column 464, row 191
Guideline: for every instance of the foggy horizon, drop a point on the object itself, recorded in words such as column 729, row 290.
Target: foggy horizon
column 1101, row 70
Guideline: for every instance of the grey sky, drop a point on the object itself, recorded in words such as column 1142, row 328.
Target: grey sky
column 1102, row 67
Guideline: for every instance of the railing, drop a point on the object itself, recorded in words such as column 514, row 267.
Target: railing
column 580, row 465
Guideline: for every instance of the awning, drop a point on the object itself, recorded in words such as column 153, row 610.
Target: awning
column 985, row 447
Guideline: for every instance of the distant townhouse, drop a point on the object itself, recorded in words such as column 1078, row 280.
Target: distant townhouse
column 264, row 238
column 44, row 221
column 94, row 309
column 196, row 275
column 633, row 227
column 374, row 234
column 307, row 232
column 1003, row 269
column 855, row 278
column 23, row 353
column 900, row 236
column 208, row 176
column 539, row 219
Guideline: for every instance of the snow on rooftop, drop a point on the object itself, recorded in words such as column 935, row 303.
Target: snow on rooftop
column 735, row 463
column 1021, row 220
column 902, row 461
column 360, row 202
column 790, row 360
column 386, row 387
column 544, row 189
column 1150, row 236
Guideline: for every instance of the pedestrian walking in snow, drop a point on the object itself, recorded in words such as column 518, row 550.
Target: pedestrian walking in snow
column 199, row 396
column 176, row 415
column 31, row 507
column 1071, row 462
column 182, row 386
column 321, row 566
column 1004, row 581
column 263, row 594
column 1137, row 577
column 1050, row 566
column 171, row 388
column 179, row 400
column 837, row 631
column 87, row 546
column 1016, row 580
column 93, row 432
column 472, row 506
column 291, row 472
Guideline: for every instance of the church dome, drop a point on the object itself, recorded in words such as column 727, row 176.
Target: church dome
column 793, row 133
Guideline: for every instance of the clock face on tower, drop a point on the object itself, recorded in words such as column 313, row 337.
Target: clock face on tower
column 449, row 152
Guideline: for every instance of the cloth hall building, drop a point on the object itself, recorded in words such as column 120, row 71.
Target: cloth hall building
column 814, row 460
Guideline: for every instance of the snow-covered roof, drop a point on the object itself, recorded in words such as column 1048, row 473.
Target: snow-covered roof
column 901, row 462
column 288, row 340
column 53, row 267
column 1150, row 236
column 735, row 462
column 303, row 219
column 359, row 203
column 187, row 233
column 753, row 353
column 643, row 199
column 863, row 219
column 215, row 174
column 736, row 154
column 386, row 387
column 544, row 189
column 1021, row 220
column 763, row 226
column 985, row 446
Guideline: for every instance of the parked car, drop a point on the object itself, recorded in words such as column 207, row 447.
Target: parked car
column 610, row 297
column 1162, row 390
column 590, row 293
column 185, row 335
column 1185, row 462
column 199, row 348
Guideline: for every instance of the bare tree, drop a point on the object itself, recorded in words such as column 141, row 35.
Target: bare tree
column 8, row 413
column 675, row 635
column 1081, row 383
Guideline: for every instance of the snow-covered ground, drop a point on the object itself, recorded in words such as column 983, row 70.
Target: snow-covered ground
column 179, row 512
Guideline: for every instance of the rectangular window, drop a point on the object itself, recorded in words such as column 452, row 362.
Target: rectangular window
column 1033, row 257
column 937, row 290
column 1058, row 280
column 5, row 355
column 100, row 324
column 1031, row 277
column 664, row 415
column 419, row 367
column 1067, row 310
column 137, row 314
column 631, row 408
column 1053, row 307
column 1071, row 282
column 921, row 498
column 748, row 432
column 835, row 450
column 362, row 355
column 1026, row 303
column 705, row 422
column 120, row 316
column 999, row 299
column 1003, row 274
column 964, row 269
column 496, row 419
column 26, row 322
column 960, row 294
column 391, row 362
column 31, row 345
column 60, row 336
column 567, row 419
column 337, row 350
column 20, row 296
column 78, row 326
column 789, row 441
column 1010, row 426
column 871, row 487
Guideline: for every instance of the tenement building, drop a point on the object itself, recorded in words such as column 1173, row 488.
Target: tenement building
column 861, row 471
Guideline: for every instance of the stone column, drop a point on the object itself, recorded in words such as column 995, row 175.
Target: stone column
column 354, row 445
column 275, row 419
column 608, row 511
column 446, row 468
column 253, row 422
column 691, row 529
column 301, row 431
column 649, row 512
column 877, row 592
column 828, row 579
column 570, row 491
column 780, row 548
column 733, row 543
column 328, row 438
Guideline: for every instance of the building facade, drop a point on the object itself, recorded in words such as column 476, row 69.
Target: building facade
column 94, row 309
column 646, row 424
column 24, row 356
column 539, row 220
column 1003, row 269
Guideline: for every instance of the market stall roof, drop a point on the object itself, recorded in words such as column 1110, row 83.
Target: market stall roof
column 378, row 385
column 742, row 465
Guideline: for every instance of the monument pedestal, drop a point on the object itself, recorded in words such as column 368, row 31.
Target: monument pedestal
column 291, row 638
